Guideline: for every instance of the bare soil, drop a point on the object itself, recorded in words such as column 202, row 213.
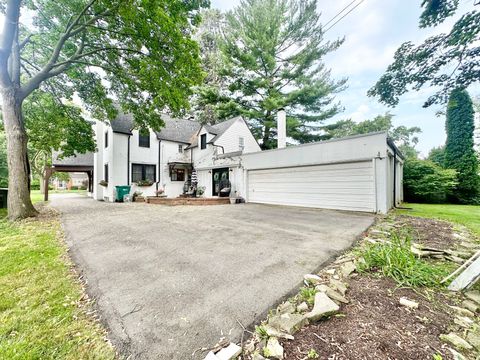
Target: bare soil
column 373, row 325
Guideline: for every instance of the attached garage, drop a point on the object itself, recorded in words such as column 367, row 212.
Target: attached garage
column 346, row 186
column 358, row 173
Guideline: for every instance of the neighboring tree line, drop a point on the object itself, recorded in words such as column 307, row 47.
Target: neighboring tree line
column 451, row 172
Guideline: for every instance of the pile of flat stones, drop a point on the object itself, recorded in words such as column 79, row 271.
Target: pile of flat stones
column 330, row 289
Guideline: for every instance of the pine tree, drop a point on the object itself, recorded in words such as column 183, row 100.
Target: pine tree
column 459, row 152
column 272, row 52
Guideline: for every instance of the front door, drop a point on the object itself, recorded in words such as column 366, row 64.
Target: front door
column 217, row 175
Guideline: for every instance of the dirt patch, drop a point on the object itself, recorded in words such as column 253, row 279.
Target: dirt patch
column 429, row 232
column 376, row 326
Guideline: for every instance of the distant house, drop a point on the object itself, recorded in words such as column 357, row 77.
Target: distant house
column 357, row 173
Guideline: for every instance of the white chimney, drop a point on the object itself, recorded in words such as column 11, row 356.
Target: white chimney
column 281, row 128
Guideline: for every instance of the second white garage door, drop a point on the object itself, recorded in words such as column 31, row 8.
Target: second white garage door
column 346, row 186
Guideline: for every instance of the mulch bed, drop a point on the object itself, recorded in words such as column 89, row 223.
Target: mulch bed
column 429, row 232
column 376, row 326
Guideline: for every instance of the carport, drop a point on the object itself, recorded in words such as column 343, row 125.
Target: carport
column 77, row 163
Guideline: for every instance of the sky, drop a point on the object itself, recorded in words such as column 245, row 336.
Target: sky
column 373, row 31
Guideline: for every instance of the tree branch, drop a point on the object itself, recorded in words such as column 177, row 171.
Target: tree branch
column 10, row 28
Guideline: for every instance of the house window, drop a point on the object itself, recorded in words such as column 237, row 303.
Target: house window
column 203, row 141
column 180, row 148
column 105, row 172
column 241, row 143
column 106, row 139
column 144, row 139
column 178, row 175
column 143, row 172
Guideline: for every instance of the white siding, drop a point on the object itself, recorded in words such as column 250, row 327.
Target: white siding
column 229, row 140
column 346, row 186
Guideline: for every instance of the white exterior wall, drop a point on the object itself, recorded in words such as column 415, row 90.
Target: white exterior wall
column 169, row 153
column 229, row 140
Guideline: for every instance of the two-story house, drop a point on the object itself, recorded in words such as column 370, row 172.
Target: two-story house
column 167, row 158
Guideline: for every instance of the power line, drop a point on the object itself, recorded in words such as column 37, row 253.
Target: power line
column 336, row 22
column 338, row 14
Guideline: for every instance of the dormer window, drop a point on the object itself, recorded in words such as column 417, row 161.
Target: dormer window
column 203, row 141
column 144, row 139
column 180, row 148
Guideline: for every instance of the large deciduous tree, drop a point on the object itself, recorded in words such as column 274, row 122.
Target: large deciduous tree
column 54, row 127
column 139, row 52
column 447, row 60
column 459, row 151
column 405, row 137
column 272, row 52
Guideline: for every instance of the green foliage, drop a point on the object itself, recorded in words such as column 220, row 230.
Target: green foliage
column 404, row 137
column 437, row 156
column 261, row 332
column 459, row 151
column 446, row 60
column 272, row 54
column 312, row 354
column 424, row 181
column 395, row 260
column 307, row 294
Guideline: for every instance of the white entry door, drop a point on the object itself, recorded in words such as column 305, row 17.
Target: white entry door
column 345, row 186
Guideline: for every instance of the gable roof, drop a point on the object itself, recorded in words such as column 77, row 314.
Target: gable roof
column 217, row 130
column 179, row 130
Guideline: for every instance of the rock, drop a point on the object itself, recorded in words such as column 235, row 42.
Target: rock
column 463, row 321
column 249, row 346
column 344, row 259
column 473, row 295
column 347, row 268
column 211, row 356
column 273, row 349
column 330, row 271
column 408, row 303
column 332, row 294
column 462, row 311
column 230, row 352
column 271, row 331
column 312, row 279
column 323, row 307
column 338, row 285
column 286, row 308
column 257, row 356
column 473, row 337
column 456, row 341
column 289, row 323
column 302, row 307
column 470, row 305
column 456, row 355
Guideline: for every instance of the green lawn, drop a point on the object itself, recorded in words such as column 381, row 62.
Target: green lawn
column 467, row 215
column 36, row 196
column 41, row 315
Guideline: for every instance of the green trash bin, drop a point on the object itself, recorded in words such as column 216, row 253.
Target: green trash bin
column 121, row 192
column 3, row 198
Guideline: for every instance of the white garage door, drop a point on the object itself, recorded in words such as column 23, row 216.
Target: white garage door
column 347, row 186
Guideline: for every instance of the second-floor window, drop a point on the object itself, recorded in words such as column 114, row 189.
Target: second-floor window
column 203, row 141
column 144, row 139
column 180, row 148
column 241, row 143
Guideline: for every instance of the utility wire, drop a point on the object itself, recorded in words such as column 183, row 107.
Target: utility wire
column 336, row 22
column 338, row 14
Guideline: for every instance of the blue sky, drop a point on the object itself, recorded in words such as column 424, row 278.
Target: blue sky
column 373, row 31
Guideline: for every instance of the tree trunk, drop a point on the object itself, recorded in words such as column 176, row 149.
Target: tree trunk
column 19, row 203
column 42, row 183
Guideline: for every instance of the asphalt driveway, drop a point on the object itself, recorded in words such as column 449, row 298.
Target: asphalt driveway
column 170, row 280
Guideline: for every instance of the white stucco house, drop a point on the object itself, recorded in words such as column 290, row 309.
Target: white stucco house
column 358, row 173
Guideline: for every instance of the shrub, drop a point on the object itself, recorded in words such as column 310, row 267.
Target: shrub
column 35, row 184
column 395, row 260
column 427, row 182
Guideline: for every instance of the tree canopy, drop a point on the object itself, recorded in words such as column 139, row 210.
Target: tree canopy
column 445, row 61
column 272, row 54
column 405, row 137
column 459, row 152
column 138, row 53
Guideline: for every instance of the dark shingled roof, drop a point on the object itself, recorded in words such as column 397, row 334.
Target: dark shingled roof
column 77, row 160
column 217, row 130
column 180, row 130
